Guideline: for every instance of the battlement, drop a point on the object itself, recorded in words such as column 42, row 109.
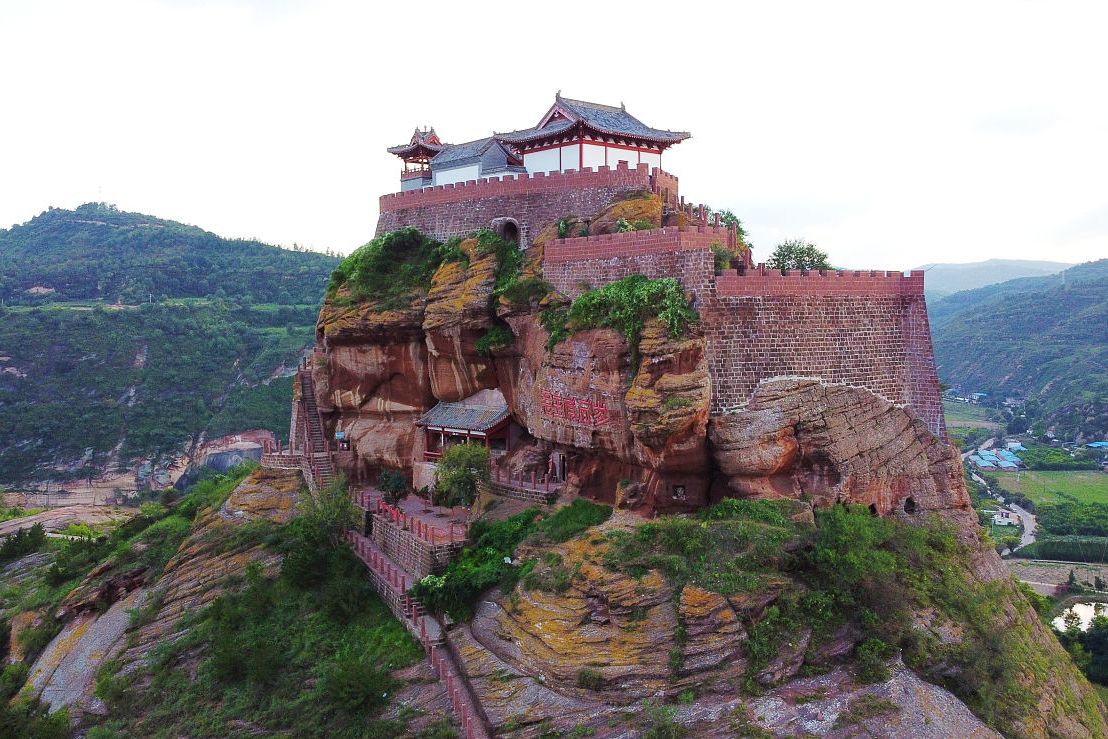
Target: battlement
column 763, row 281
column 621, row 177
column 637, row 243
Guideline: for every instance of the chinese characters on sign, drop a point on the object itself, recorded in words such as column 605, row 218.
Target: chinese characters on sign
column 578, row 410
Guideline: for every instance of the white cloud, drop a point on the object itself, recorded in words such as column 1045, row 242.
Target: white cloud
column 891, row 135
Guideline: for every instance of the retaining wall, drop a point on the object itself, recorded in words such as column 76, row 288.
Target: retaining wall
column 867, row 329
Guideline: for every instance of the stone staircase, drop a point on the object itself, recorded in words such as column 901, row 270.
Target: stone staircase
column 317, row 449
column 391, row 582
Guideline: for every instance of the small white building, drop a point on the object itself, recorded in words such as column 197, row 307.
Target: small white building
column 572, row 135
column 1006, row 518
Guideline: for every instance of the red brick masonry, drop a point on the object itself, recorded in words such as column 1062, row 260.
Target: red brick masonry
column 867, row 329
column 533, row 201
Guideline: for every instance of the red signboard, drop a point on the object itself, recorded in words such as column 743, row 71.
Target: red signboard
column 577, row 410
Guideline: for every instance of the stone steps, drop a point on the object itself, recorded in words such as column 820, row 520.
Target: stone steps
column 391, row 582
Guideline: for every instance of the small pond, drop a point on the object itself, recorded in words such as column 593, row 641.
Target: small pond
column 1084, row 611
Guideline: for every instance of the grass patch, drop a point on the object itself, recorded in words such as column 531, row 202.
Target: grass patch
column 1056, row 486
column 966, row 414
column 569, row 521
column 865, row 707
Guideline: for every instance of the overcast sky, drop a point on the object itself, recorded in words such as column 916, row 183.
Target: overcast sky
column 891, row 135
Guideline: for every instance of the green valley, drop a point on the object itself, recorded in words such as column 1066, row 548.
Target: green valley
column 125, row 338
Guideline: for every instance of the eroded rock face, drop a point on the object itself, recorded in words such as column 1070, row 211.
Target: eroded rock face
column 834, row 443
column 96, row 616
column 456, row 317
column 653, row 432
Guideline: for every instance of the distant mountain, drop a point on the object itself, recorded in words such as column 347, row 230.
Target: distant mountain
column 192, row 351
column 944, row 279
column 1040, row 338
column 97, row 252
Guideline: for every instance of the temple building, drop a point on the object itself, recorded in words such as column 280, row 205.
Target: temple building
column 571, row 135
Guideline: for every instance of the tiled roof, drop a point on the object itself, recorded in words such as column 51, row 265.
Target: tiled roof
column 427, row 140
column 462, row 416
column 605, row 119
column 526, row 134
column 454, row 154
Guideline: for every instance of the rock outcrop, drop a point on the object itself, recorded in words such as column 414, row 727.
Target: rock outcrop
column 96, row 616
column 834, row 444
column 457, row 315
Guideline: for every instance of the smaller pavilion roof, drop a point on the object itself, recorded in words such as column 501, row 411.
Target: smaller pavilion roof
column 423, row 142
column 462, row 416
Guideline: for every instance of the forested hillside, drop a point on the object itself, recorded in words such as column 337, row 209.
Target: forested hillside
column 99, row 252
column 1040, row 338
column 88, row 386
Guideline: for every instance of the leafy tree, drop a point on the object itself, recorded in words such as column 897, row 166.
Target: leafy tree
column 462, row 468
column 798, row 254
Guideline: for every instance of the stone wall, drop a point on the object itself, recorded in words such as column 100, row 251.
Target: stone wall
column 533, row 201
column 418, row 557
column 866, row 329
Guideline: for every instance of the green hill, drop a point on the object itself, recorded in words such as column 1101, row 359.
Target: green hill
column 97, row 252
column 88, row 386
column 1043, row 339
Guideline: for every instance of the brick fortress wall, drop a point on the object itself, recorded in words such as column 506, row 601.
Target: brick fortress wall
column 534, row 201
column 867, row 329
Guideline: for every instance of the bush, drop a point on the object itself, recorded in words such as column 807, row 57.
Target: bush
column 390, row 267
column 11, row 680
column 661, row 722
column 23, row 542
column 495, row 338
column 624, row 305
column 526, row 291
column 353, row 683
column 461, row 469
column 589, row 679
column 871, row 656
column 393, row 483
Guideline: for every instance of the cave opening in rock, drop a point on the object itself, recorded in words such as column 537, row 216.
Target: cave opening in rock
column 910, row 505
column 873, row 509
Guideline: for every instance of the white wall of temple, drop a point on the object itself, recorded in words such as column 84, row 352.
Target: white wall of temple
column 542, row 161
column 592, row 156
column 458, row 174
column 570, row 156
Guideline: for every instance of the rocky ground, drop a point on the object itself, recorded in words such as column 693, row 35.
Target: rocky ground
column 57, row 519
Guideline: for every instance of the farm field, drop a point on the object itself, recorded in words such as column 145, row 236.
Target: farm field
column 1043, row 487
column 966, row 415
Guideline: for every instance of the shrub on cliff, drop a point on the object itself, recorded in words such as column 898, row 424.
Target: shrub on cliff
column 390, row 267
column 624, row 305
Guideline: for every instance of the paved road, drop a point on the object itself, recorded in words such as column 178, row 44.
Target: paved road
column 1029, row 525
